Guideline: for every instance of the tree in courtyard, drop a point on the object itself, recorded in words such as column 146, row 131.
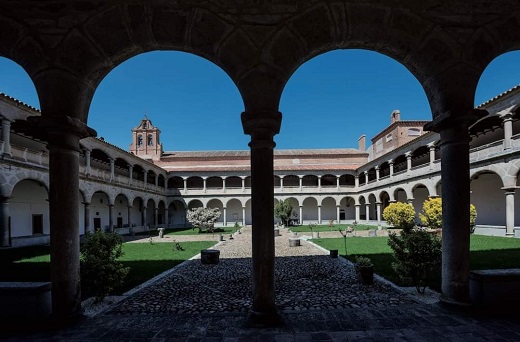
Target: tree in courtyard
column 283, row 210
column 432, row 213
column 203, row 218
column 400, row 215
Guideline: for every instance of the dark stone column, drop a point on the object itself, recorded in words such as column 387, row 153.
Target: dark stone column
column 262, row 126
column 111, row 218
column 454, row 149
column 87, row 217
column 63, row 138
column 4, row 222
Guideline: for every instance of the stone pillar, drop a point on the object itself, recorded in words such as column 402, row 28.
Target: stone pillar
column 225, row 216
column 378, row 214
column 391, row 165
column 204, row 184
column 337, row 213
column 156, row 180
column 63, row 136
column 357, row 207
column 454, row 149
column 6, row 136
column 165, row 217
column 356, row 181
column 87, row 162
column 4, row 222
column 510, row 211
column 243, row 184
column 281, row 183
column 185, row 181
column 244, row 216
column 262, row 126
column 129, row 213
column 301, row 182
column 377, row 173
column 431, row 147
column 112, row 169
column 301, row 214
column 337, row 181
column 111, row 218
column 319, row 182
column 508, row 129
column 156, row 216
column 408, row 156
column 223, row 184
column 319, row 214
column 143, row 217
column 367, row 212
column 366, row 177
column 87, row 217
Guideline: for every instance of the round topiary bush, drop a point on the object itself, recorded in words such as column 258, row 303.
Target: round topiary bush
column 400, row 215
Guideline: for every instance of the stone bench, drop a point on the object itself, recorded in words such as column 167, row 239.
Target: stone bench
column 25, row 300
column 495, row 289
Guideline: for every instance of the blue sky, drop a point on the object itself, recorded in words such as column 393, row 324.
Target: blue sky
column 329, row 102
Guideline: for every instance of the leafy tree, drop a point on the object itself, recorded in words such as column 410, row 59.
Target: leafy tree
column 101, row 271
column 400, row 215
column 432, row 213
column 418, row 257
column 283, row 210
column 203, row 218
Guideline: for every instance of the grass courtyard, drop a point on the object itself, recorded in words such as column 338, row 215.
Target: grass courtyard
column 486, row 252
column 334, row 228
column 145, row 260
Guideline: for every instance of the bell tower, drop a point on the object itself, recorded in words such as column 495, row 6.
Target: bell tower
column 145, row 140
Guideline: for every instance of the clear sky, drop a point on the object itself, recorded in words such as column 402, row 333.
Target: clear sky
column 329, row 102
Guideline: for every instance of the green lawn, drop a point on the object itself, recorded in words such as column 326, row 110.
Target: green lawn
column 486, row 252
column 327, row 228
column 144, row 259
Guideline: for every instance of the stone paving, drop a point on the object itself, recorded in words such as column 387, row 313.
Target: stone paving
column 318, row 297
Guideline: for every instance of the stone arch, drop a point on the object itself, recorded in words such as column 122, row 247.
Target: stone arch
column 195, row 203
column 310, row 209
column 175, row 182
column 347, row 211
column 29, row 209
column 150, row 212
column 234, row 211
column 177, row 213
column 488, row 169
column 328, row 209
column 420, row 194
column 401, row 195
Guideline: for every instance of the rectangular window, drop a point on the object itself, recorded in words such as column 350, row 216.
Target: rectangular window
column 97, row 223
column 37, row 224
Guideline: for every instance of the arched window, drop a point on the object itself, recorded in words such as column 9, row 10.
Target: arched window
column 150, row 140
column 139, row 140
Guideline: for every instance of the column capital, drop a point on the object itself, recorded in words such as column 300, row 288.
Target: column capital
column 55, row 129
column 509, row 189
column 408, row 154
column 390, row 161
column 431, row 145
column 376, row 167
column 262, row 126
column 452, row 118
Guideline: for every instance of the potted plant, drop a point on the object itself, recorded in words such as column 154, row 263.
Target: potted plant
column 365, row 269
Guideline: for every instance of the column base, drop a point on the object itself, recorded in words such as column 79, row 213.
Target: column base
column 263, row 320
column 453, row 304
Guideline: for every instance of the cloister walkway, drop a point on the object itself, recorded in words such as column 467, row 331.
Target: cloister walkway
column 318, row 298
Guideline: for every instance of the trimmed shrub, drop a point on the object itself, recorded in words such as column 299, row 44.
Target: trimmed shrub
column 400, row 215
column 432, row 213
column 418, row 257
column 283, row 210
column 101, row 271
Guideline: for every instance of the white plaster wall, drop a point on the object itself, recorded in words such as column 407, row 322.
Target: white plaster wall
column 249, row 217
column 489, row 200
column 234, row 212
column 121, row 209
column 420, row 195
column 99, row 208
column 28, row 198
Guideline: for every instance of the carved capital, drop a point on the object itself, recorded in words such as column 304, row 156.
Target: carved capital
column 262, row 126
column 450, row 119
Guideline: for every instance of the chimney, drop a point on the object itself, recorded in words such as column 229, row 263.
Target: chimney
column 396, row 116
column 362, row 143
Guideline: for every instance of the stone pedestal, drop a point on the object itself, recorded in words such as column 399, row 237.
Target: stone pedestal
column 209, row 256
column 294, row 242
